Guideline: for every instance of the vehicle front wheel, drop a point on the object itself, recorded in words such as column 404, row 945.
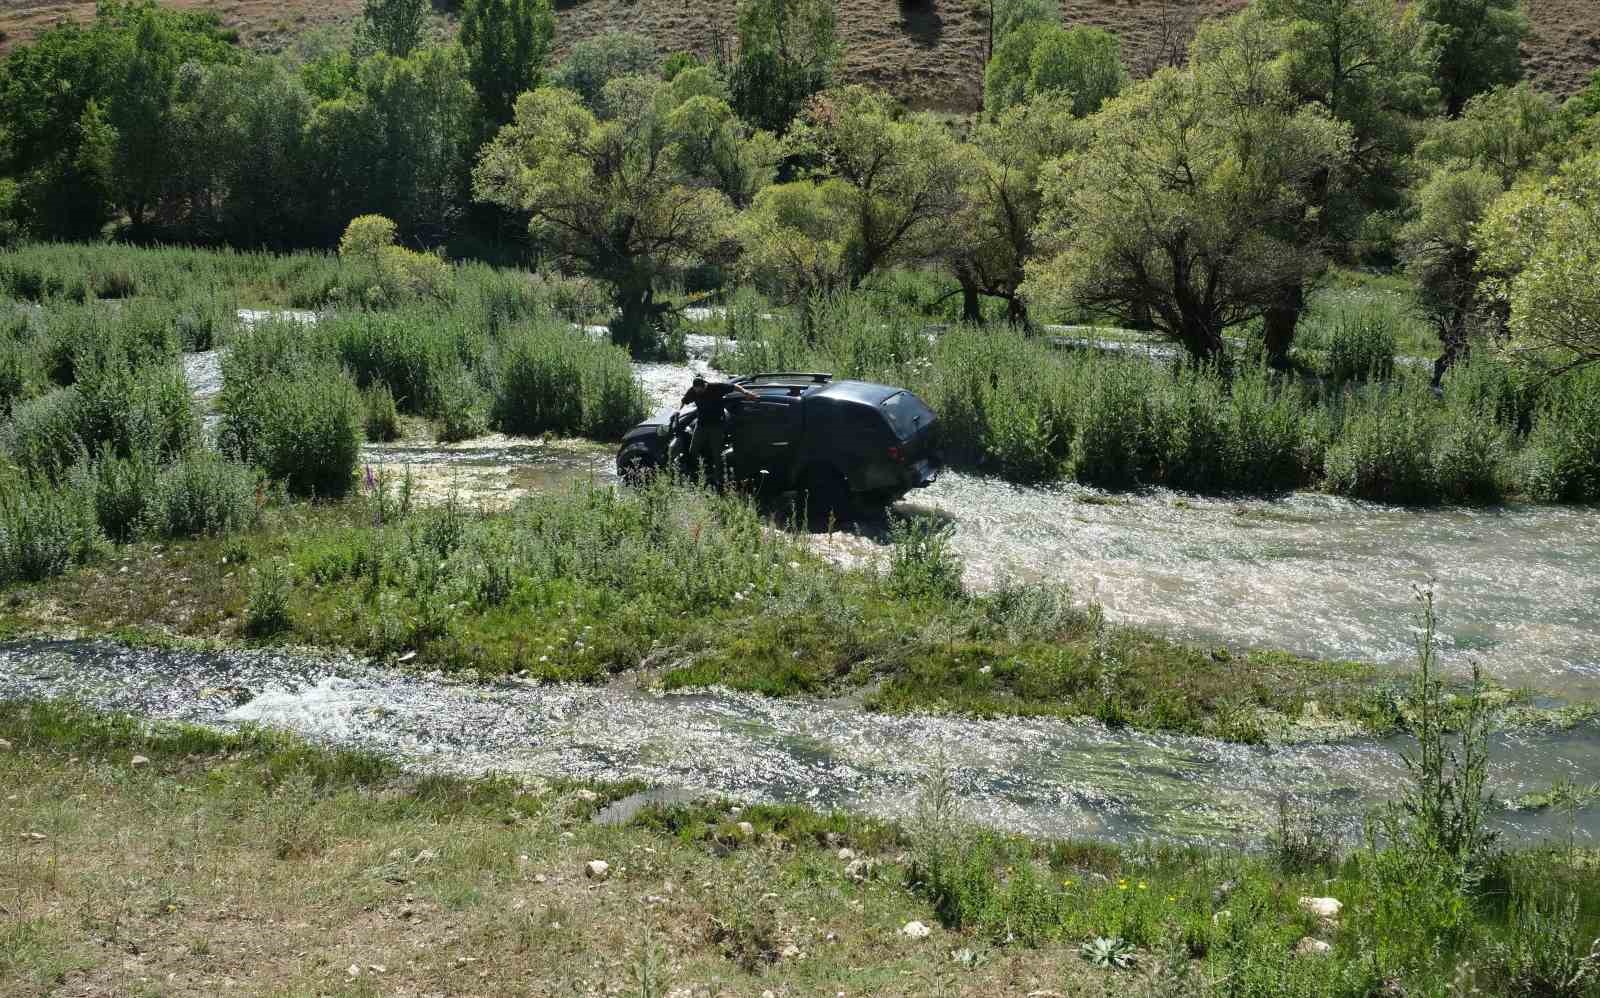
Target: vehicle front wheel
column 635, row 465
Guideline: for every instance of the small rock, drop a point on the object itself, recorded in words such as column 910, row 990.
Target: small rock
column 916, row 930
column 406, row 911
column 860, row 869
column 1326, row 909
column 1223, row 891
column 1308, row 946
column 746, row 830
column 790, row 952
column 138, row 761
column 377, row 968
column 1044, row 994
column 425, row 856
column 538, row 878
column 768, row 994
column 5, row 746
column 353, row 970
column 597, row 869
column 587, row 796
column 846, row 855
column 34, row 836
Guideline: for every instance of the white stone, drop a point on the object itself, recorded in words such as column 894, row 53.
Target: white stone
column 768, row 994
column 1308, row 946
column 846, row 855
column 588, row 796
column 746, row 830
column 34, row 836
column 138, row 761
column 353, row 970
column 790, row 952
column 597, row 869
column 5, row 746
column 916, row 930
column 1324, row 908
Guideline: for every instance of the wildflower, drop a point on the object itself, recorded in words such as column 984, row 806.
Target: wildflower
column 1143, row 886
column 1172, row 898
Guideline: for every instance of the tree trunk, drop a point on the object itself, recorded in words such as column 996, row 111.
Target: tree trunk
column 637, row 309
column 1202, row 337
column 1454, row 340
column 1280, row 323
column 971, row 307
column 1017, row 313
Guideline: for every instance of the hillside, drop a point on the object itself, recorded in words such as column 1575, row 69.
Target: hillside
column 929, row 53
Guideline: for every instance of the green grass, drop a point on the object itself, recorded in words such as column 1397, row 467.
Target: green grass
column 479, row 882
column 699, row 590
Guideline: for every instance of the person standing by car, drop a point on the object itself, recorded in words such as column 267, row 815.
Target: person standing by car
column 711, row 422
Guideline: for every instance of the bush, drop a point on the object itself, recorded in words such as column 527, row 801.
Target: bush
column 1384, row 450
column 304, row 429
column 921, row 563
column 1564, row 447
column 201, row 495
column 462, row 409
column 268, row 610
column 552, row 379
column 122, row 488
column 43, row 435
column 44, row 530
column 382, row 419
column 122, row 409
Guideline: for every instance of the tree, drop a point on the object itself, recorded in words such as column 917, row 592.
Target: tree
column 394, row 26
column 991, row 236
column 398, row 143
column 787, row 52
column 240, row 161
column 1356, row 59
column 902, row 172
column 1469, row 162
column 1186, row 203
column 1472, row 45
column 595, row 62
column 1540, row 252
column 1085, row 63
column 507, row 42
column 607, row 194
column 796, row 240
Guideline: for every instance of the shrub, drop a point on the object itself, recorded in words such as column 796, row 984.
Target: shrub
column 921, row 563
column 43, row 434
column 44, row 530
column 1384, row 448
column 552, row 379
column 304, row 429
column 381, row 417
column 1564, row 445
column 122, row 488
column 201, row 495
column 268, row 611
column 462, row 409
column 122, row 409
column 20, row 372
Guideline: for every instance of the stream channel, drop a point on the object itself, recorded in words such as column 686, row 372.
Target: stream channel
column 1518, row 588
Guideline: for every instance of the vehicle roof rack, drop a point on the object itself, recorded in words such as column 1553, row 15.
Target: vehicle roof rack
column 788, row 377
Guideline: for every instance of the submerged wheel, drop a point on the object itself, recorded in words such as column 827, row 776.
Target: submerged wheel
column 635, row 465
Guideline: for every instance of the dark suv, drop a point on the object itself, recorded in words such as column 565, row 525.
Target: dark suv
column 848, row 446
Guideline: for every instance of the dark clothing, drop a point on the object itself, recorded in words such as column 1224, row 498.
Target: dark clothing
column 705, row 445
column 708, row 400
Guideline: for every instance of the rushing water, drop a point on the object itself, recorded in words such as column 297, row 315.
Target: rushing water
column 1518, row 587
column 1049, row 777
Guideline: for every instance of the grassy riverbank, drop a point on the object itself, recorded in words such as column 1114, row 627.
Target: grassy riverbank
column 175, row 860
column 686, row 589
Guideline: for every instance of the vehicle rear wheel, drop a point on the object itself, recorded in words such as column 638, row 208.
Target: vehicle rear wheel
column 827, row 498
column 635, row 465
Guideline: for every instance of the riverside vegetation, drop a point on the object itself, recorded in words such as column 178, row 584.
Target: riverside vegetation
column 491, row 881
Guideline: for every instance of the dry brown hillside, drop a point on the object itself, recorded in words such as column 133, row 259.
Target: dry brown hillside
column 929, row 52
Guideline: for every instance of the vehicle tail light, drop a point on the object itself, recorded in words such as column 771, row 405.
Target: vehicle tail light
column 894, row 454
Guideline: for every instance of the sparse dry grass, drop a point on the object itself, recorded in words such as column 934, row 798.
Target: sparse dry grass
column 173, row 878
column 929, row 54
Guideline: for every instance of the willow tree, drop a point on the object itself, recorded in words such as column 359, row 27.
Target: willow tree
column 1541, row 254
column 1186, row 204
column 608, row 195
column 900, row 173
column 990, row 238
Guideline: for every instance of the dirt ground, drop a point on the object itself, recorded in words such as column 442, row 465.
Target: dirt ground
column 930, row 53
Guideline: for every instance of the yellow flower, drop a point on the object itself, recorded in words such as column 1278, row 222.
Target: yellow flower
column 1143, row 886
column 1122, row 887
column 1171, row 898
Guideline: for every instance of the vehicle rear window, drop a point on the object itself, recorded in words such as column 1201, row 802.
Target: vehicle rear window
column 906, row 414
